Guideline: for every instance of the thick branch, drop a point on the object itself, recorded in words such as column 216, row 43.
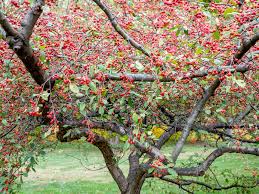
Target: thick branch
column 243, row 114
column 104, row 147
column 7, row 26
column 191, row 119
column 212, row 128
column 119, row 29
column 110, row 126
column 171, row 78
column 136, row 174
column 30, row 19
column 111, row 163
column 246, row 46
column 203, row 167
column 33, row 66
column 152, row 151
column 19, row 43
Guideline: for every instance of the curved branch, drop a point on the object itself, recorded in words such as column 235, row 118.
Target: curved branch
column 111, row 163
column 110, row 126
column 104, row 147
column 119, row 29
column 184, row 182
column 203, row 167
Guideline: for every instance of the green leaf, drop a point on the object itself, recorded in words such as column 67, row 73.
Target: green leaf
column 101, row 110
column 240, row 83
column 91, row 71
column 207, row 111
column 229, row 11
column 4, row 121
column 110, row 112
column 124, row 138
column 93, row 86
column 67, row 134
column 135, row 93
column 139, row 66
column 135, row 117
column 74, row 88
column 45, row 95
column 126, row 146
column 47, row 133
column 186, row 31
column 92, row 99
column 82, row 106
column 151, row 170
column 178, row 32
column 216, row 35
column 171, row 172
column 221, row 118
column 198, row 50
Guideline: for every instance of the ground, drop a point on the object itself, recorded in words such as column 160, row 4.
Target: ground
column 79, row 168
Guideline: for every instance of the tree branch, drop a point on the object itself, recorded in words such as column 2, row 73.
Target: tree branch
column 119, row 29
column 195, row 112
column 6, row 133
column 110, row 126
column 243, row 114
column 213, row 129
column 111, row 163
column 173, row 128
column 171, row 78
column 246, row 46
column 184, row 182
column 9, row 30
column 203, row 167
column 19, row 43
column 31, row 18
column 104, row 147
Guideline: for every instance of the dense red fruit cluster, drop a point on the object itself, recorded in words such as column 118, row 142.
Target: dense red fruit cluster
column 92, row 65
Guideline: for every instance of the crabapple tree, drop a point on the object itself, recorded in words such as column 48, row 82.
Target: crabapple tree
column 68, row 67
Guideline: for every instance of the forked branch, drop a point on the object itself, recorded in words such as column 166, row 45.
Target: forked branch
column 31, row 18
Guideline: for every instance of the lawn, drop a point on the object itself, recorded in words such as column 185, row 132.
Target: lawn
column 79, row 168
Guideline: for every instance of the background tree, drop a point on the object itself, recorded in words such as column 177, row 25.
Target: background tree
column 125, row 66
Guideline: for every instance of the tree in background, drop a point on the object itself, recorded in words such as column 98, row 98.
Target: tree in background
column 70, row 67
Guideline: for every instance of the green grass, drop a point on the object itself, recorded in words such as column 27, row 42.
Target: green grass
column 79, row 168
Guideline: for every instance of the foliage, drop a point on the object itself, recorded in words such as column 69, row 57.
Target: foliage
column 123, row 67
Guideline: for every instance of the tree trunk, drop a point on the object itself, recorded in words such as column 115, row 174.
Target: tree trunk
column 135, row 186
